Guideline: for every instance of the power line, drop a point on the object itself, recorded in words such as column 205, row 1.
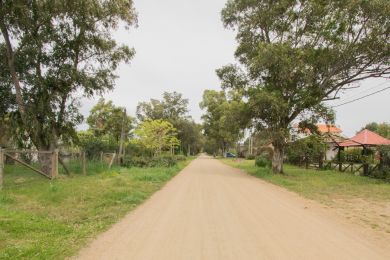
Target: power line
column 353, row 95
column 371, row 94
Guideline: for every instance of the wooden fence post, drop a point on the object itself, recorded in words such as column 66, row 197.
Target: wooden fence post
column 84, row 162
column 101, row 157
column 1, row 168
column 54, row 164
column 112, row 160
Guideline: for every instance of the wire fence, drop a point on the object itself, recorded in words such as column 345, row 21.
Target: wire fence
column 24, row 166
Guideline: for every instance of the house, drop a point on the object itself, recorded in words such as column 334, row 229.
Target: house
column 331, row 134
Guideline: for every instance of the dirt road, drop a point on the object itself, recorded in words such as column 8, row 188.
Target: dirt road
column 212, row 211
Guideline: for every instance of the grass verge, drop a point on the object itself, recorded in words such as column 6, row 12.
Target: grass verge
column 364, row 200
column 318, row 185
column 41, row 219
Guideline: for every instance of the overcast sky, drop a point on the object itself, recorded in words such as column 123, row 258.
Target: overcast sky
column 180, row 43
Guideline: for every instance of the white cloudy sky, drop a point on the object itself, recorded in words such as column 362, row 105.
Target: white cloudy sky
column 180, row 43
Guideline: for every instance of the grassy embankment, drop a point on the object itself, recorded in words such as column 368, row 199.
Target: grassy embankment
column 318, row 185
column 42, row 219
column 361, row 199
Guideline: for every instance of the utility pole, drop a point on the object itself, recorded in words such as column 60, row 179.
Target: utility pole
column 251, row 143
column 120, row 154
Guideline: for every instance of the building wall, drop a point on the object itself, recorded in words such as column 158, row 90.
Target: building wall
column 331, row 153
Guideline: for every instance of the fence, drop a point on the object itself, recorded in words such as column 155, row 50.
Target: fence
column 358, row 165
column 26, row 164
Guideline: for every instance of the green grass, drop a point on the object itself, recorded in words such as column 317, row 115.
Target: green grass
column 42, row 219
column 322, row 186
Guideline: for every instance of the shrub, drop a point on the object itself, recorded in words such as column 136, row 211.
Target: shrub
column 381, row 174
column 311, row 148
column 355, row 156
column 262, row 161
column 163, row 161
column 136, row 162
column 180, row 157
column 158, row 161
column 250, row 157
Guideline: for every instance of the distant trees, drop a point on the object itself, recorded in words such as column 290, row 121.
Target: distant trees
column 294, row 55
column 51, row 53
column 107, row 119
column 173, row 108
column 156, row 136
column 382, row 129
column 224, row 120
column 109, row 127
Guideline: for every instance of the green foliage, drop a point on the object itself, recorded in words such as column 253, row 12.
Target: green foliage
column 106, row 119
column 250, row 157
column 293, row 55
column 156, row 135
column 93, row 144
column 355, row 155
column 262, row 161
column 6, row 135
column 181, row 157
column 384, row 171
column 322, row 186
column 53, row 52
column 151, row 162
column 173, row 108
column 224, row 120
column 311, row 149
column 40, row 219
column 351, row 155
column 190, row 136
column 141, row 162
column 383, row 174
column 385, row 153
column 382, row 129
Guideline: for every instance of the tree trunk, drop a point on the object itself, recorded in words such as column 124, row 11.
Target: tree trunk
column 277, row 159
column 45, row 162
column 67, row 172
column 321, row 161
column 11, row 66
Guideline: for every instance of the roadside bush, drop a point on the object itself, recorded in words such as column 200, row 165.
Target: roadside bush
column 352, row 155
column 355, row 156
column 163, row 161
column 250, row 157
column 159, row 161
column 181, row 157
column 136, row 162
column 93, row 145
column 311, row 148
column 262, row 161
column 381, row 174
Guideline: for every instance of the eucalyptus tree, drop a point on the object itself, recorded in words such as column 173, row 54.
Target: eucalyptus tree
column 107, row 119
column 295, row 54
column 54, row 52
column 173, row 107
column 225, row 118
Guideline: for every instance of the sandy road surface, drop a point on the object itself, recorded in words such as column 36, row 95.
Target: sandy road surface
column 212, row 211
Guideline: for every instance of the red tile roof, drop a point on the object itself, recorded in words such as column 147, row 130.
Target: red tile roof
column 365, row 137
column 322, row 128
